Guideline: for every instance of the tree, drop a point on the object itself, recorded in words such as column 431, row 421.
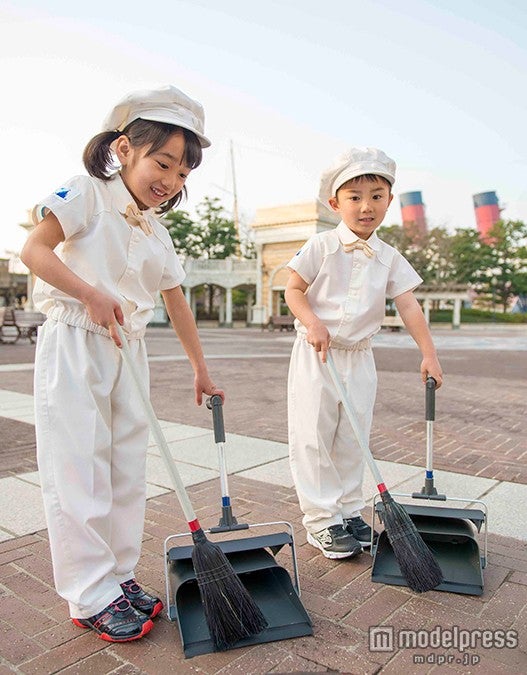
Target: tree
column 216, row 233
column 506, row 250
column 184, row 233
column 428, row 253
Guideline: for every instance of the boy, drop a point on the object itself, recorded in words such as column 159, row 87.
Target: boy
column 337, row 291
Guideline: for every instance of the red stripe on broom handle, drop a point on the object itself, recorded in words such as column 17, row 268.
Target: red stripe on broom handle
column 354, row 422
column 194, row 526
column 157, row 432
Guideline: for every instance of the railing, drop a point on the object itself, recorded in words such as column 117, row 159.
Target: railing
column 222, row 266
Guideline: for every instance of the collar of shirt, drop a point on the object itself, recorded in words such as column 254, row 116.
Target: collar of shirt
column 346, row 236
column 122, row 197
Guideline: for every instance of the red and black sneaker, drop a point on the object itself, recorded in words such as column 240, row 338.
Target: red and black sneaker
column 140, row 599
column 119, row 622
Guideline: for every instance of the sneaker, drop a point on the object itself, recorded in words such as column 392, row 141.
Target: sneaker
column 119, row 622
column 140, row 599
column 335, row 542
column 360, row 530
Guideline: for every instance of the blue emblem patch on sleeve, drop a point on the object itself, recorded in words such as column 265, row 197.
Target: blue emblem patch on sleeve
column 304, row 248
column 66, row 193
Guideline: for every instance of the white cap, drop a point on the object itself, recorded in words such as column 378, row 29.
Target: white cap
column 164, row 104
column 352, row 163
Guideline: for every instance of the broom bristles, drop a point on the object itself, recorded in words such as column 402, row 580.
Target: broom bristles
column 417, row 562
column 230, row 612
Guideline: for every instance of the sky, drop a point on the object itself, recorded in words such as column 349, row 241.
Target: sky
column 439, row 85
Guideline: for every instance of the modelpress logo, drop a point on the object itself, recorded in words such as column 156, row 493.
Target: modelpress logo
column 381, row 638
column 386, row 639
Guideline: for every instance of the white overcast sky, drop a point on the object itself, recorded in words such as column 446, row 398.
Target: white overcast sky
column 439, row 85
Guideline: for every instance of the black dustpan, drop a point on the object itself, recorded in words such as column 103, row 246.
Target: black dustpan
column 450, row 532
column 253, row 559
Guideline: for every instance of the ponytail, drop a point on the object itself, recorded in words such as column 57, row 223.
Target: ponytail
column 98, row 157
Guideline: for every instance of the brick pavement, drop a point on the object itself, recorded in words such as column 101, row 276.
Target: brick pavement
column 474, row 413
column 339, row 596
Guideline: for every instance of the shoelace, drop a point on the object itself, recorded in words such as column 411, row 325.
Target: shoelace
column 131, row 586
column 120, row 605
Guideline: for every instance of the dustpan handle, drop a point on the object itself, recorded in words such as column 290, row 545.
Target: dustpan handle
column 430, row 414
column 354, row 422
column 215, row 404
column 157, row 432
column 430, row 401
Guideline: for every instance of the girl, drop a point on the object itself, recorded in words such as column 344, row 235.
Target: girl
column 92, row 434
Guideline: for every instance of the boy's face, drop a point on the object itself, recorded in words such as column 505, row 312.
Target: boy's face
column 362, row 205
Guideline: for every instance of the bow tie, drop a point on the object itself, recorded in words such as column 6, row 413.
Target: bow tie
column 135, row 217
column 360, row 245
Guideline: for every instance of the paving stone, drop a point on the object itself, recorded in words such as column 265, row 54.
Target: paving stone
column 471, row 434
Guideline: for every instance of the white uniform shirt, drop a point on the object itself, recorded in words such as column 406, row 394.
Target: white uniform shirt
column 347, row 291
column 105, row 251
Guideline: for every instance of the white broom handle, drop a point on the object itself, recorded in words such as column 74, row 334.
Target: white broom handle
column 157, row 432
column 353, row 419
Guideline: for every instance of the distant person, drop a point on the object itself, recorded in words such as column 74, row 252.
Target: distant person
column 92, row 432
column 337, row 291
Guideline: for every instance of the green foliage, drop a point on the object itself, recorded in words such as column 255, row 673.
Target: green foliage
column 218, row 238
column 495, row 267
column 476, row 316
column 212, row 236
column 184, row 233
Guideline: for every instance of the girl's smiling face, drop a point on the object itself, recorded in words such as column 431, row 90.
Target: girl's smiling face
column 153, row 179
column 362, row 204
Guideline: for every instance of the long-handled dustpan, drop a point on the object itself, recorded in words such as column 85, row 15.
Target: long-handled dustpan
column 449, row 531
column 253, row 559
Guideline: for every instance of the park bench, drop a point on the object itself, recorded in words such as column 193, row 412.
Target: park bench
column 394, row 323
column 19, row 323
column 282, row 322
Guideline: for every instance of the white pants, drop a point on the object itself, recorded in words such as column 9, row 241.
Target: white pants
column 326, row 461
column 92, row 436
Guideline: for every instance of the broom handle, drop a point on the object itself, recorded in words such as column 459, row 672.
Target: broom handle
column 157, row 432
column 355, row 423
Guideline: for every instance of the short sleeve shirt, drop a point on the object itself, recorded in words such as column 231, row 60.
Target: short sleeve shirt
column 347, row 291
column 105, row 251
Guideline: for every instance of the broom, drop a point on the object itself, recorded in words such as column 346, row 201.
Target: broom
column 230, row 612
column 417, row 563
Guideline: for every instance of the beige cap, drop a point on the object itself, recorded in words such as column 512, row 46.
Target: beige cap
column 355, row 162
column 165, row 104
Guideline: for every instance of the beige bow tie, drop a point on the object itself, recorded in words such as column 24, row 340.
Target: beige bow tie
column 135, row 217
column 360, row 245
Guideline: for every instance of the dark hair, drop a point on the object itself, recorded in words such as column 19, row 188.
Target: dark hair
column 370, row 177
column 99, row 159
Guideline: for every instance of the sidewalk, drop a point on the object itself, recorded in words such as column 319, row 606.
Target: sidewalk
column 339, row 596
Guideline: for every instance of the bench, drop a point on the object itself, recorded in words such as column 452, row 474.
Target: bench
column 283, row 322
column 19, row 323
column 394, row 323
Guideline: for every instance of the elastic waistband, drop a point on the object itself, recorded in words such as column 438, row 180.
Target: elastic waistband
column 359, row 346
column 72, row 318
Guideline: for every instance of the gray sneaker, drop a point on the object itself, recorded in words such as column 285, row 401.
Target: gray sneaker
column 360, row 530
column 335, row 542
